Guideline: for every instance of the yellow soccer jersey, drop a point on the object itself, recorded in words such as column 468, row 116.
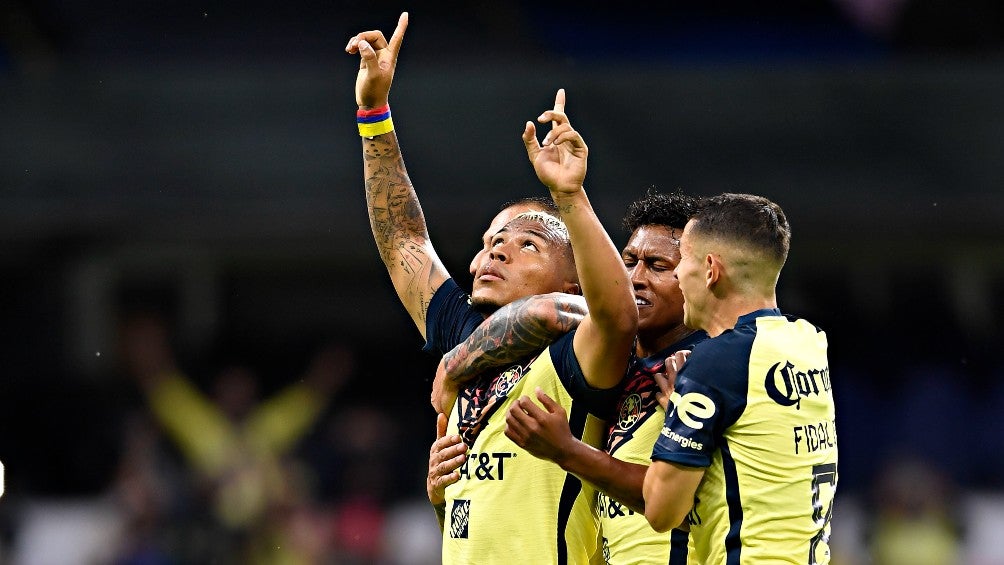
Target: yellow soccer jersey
column 509, row 506
column 755, row 407
column 626, row 536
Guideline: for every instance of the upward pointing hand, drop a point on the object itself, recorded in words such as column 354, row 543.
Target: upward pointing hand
column 377, row 61
column 560, row 161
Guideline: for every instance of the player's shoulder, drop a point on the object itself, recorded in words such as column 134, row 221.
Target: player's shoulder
column 562, row 349
column 723, row 361
column 727, row 348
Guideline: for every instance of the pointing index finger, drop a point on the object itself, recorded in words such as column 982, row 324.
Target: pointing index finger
column 398, row 37
column 559, row 101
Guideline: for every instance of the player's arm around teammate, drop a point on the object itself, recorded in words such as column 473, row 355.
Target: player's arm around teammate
column 513, row 332
column 395, row 213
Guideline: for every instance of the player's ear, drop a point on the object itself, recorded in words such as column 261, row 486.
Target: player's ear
column 712, row 269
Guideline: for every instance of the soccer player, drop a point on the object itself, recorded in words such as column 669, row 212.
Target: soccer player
column 748, row 453
column 511, row 506
column 656, row 222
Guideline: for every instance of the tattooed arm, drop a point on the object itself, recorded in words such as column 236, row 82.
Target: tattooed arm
column 395, row 213
column 513, row 332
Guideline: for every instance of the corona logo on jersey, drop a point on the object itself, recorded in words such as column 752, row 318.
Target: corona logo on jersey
column 795, row 384
column 630, row 412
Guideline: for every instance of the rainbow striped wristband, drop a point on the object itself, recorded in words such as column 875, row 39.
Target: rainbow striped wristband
column 374, row 122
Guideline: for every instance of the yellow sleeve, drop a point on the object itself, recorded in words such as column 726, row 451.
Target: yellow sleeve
column 200, row 430
column 278, row 423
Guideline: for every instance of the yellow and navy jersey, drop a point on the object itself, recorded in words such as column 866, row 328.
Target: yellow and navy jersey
column 755, row 407
column 626, row 535
column 509, row 506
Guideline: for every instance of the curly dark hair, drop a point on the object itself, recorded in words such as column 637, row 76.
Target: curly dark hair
column 671, row 209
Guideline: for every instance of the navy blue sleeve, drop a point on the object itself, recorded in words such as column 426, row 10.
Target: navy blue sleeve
column 710, row 395
column 450, row 319
column 599, row 402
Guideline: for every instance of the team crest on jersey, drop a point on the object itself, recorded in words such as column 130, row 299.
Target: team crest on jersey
column 630, row 412
column 506, row 381
column 636, row 404
column 479, row 399
column 460, row 518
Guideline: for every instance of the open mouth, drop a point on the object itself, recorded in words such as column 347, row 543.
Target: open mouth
column 639, row 301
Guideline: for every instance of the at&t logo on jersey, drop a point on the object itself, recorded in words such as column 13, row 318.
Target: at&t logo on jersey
column 485, row 466
column 795, row 384
column 460, row 518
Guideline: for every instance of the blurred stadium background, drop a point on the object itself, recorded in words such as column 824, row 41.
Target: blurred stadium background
column 199, row 159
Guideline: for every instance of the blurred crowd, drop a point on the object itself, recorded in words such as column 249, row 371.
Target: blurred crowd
column 213, row 469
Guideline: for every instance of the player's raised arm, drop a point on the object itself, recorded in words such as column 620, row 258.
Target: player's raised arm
column 603, row 341
column 395, row 213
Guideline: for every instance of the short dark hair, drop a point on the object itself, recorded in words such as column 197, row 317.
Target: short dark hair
column 544, row 202
column 671, row 209
column 748, row 219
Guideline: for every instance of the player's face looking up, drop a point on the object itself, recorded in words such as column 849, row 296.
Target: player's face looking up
column 651, row 256
column 498, row 222
column 530, row 255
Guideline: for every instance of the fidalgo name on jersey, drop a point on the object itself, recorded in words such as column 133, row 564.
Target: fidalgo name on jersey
column 814, row 437
column 485, row 466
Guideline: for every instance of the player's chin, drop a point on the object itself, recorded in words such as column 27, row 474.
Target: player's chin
column 646, row 321
column 485, row 302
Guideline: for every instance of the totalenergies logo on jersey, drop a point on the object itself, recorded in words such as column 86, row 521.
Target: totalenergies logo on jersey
column 794, row 384
column 630, row 412
column 692, row 407
column 685, row 442
column 506, row 381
